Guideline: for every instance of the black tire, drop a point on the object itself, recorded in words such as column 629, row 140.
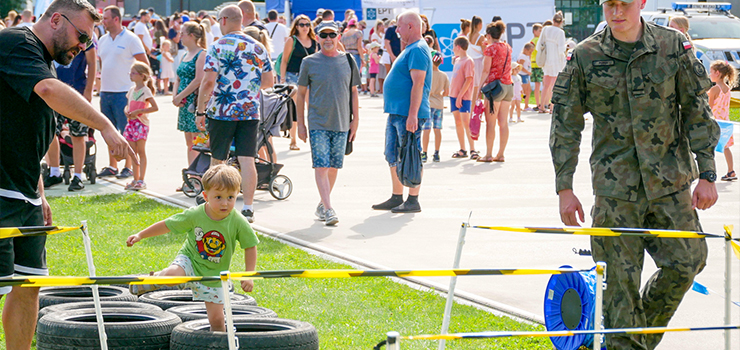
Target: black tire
column 66, row 175
column 171, row 298
column 91, row 305
column 192, row 187
column 59, row 295
column 253, row 333
column 126, row 329
column 198, row 312
column 91, row 174
column 280, row 187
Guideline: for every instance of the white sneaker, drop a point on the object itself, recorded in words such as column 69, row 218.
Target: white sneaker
column 331, row 217
column 320, row 212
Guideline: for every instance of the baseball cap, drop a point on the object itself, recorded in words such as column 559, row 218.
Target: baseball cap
column 601, row 2
column 319, row 12
column 327, row 25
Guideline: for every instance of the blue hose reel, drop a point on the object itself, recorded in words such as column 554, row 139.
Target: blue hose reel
column 570, row 301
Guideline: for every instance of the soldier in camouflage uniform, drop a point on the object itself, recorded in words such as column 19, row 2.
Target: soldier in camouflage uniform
column 634, row 77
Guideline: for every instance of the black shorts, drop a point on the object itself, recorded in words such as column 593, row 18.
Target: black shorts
column 373, row 75
column 21, row 255
column 243, row 133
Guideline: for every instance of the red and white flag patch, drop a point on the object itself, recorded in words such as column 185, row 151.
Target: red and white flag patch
column 686, row 45
column 570, row 54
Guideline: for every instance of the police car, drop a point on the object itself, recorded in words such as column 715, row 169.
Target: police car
column 714, row 31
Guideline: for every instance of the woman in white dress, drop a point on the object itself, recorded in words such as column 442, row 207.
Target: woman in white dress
column 475, row 51
column 553, row 41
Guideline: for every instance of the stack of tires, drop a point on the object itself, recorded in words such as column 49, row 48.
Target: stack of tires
column 167, row 319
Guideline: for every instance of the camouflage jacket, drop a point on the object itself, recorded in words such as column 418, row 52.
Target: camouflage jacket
column 650, row 112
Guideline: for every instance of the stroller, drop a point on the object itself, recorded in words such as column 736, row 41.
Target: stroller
column 276, row 104
column 66, row 157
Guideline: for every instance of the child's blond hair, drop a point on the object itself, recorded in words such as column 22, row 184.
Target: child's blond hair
column 143, row 69
column 222, row 177
column 726, row 72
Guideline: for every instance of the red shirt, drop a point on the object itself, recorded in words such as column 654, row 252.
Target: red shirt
column 500, row 69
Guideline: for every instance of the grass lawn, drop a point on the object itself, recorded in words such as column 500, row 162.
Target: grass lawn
column 348, row 313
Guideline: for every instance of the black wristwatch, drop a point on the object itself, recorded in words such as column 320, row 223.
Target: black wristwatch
column 199, row 114
column 710, row 176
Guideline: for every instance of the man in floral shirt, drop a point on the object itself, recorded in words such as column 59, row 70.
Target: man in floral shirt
column 237, row 67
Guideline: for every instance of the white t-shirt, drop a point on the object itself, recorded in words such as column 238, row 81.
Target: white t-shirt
column 278, row 33
column 216, row 30
column 117, row 57
column 209, row 39
column 527, row 63
column 141, row 29
column 25, row 24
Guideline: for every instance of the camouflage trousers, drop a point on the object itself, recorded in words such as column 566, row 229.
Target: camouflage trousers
column 678, row 260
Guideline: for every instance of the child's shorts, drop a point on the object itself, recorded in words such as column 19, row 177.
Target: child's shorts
column 201, row 292
column 434, row 120
column 373, row 75
column 135, row 130
column 465, row 105
column 525, row 78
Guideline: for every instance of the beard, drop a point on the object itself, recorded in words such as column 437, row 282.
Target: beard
column 62, row 52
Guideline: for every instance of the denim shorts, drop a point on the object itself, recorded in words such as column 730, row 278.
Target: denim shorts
column 112, row 105
column 327, row 148
column 466, row 104
column 200, row 291
column 395, row 130
column 525, row 78
column 434, row 121
column 291, row 78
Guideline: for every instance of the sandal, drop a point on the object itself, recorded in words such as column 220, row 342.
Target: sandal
column 294, row 147
column 460, row 154
column 498, row 159
column 485, row 159
column 730, row 176
column 474, row 155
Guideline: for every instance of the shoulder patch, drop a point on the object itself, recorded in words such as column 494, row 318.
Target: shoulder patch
column 570, row 54
column 686, row 45
column 699, row 69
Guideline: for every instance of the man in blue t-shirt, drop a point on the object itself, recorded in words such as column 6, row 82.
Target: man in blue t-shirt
column 406, row 95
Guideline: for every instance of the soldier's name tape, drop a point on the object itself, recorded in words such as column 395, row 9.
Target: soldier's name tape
column 53, row 281
column 504, row 334
column 10, row 232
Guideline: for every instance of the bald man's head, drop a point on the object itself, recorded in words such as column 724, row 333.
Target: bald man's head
column 231, row 18
column 248, row 11
column 409, row 27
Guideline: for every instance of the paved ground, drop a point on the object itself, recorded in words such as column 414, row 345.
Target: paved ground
column 518, row 192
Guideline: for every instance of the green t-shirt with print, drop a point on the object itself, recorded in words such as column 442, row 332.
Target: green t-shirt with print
column 209, row 243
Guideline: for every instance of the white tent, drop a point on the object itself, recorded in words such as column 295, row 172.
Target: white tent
column 445, row 16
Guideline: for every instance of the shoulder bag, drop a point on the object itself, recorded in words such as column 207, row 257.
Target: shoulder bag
column 493, row 89
column 541, row 57
column 350, row 60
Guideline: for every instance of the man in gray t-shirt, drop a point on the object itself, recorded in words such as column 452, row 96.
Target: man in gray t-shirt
column 332, row 80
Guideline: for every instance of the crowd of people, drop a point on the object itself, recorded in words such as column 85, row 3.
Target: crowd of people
column 215, row 68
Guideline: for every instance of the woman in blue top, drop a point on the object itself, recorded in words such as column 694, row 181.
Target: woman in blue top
column 189, row 75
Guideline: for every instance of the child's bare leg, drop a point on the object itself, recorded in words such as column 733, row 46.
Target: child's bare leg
column 526, row 88
column 215, row 314
column 466, row 126
column 166, row 86
column 538, row 95
column 425, row 140
column 518, row 110
column 141, row 152
column 437, row 139
column 730, row 161
column 172, row 270
column 135, row 167
column 460, row 128
column 371, row 84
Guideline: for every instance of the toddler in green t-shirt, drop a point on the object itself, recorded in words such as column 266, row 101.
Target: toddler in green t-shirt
column 212, row 230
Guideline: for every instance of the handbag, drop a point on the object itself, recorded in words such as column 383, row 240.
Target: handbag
column 350, row 59
column 410, row 166
column 494, row 89
column 541, row 57
column 475, row 120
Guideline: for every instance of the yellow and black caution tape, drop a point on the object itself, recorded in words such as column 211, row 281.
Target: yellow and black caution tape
column 505, row 334
column 10, row 232
column 50, row 281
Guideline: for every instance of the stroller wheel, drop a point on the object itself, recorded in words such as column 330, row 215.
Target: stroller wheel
column 66, row 175
column 281, row 187
column 91, row 174
column 192, row 187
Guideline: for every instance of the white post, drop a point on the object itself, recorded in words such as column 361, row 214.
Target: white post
column 393, row 340
column 96, row 295
column 453, row 283
column 728, row 289
column 230, row 330
column 598, row 312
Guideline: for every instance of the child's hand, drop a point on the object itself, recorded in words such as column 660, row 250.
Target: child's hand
column 134, row 239
column 132, row 114
column 458, row 103
column 247, row 285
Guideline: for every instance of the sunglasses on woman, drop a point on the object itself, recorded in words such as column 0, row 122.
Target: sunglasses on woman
column 304, row 25
column 323, row 35
column 83, row 37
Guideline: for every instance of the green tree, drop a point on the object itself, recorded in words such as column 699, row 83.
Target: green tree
column 7, row 5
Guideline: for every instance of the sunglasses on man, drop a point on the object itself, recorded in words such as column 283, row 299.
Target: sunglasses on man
column 323, row 35
column 84, row 38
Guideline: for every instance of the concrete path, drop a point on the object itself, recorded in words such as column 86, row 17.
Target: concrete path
column 519, row 192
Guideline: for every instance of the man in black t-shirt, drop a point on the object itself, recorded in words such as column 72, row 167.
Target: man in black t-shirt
column 29, row 96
